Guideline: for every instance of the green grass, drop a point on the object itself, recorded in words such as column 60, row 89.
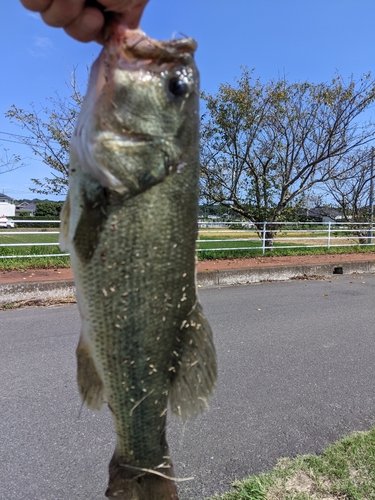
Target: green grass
column 277, row 251
column 33, row 262
column 44, row 237
column 345, row 471
column 208, row 253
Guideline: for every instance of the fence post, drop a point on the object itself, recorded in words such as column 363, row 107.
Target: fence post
column 264, row 238
column 370, row 234
column 329, row 235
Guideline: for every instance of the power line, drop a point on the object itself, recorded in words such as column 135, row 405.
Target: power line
column 15, row 142
column 23, row 136
column 14, row 135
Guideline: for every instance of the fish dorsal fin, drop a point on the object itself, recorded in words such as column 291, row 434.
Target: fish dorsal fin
column 195, row 377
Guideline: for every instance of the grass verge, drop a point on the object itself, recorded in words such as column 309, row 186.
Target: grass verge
column 345, row 470
column 18, row 264
column 22, row 264
column 279, row 251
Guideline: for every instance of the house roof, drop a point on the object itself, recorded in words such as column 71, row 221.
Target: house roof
column 324, row 212
column 5, row 197
column 27, row 205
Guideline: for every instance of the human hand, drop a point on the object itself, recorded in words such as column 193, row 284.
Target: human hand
column 84, row 20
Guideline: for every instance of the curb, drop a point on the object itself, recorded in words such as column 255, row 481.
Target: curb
column 34, row 290
column 280, row 273
column 16, row 292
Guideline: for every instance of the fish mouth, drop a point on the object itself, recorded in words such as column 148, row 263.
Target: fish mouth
column 138, row 46
column 134, row 45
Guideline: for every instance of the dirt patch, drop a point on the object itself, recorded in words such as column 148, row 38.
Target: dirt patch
column 293, row 260
column 300, row 485
column 203, row 265
column 38, row 303
column 36, row 275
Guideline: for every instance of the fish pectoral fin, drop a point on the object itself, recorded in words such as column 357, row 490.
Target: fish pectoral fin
column 195, row 373
column 90, row 385
column 64, row 225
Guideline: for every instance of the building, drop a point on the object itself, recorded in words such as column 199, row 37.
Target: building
column 324, row 214
column 7, row 206
column 26, row 207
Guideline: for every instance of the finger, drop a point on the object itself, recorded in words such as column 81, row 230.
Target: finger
column 36, row 5
column 132, row 17
column 62, row 12
column 87, row 26
column 118, row 5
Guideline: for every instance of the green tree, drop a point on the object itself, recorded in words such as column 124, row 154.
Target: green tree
column 265, row 145
column 50, row 209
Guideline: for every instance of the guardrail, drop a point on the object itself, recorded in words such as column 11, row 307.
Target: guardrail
column 223, row 236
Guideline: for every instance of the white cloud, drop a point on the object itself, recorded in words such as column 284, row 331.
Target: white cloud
column 34, row 15
column 40, row 47
column 42, row 42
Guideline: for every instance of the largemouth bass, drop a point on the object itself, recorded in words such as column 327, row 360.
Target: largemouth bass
column 130, row 225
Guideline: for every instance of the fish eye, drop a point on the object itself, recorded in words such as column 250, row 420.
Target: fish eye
column 178, row 86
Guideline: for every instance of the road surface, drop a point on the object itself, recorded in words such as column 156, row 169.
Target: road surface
column 296, row 372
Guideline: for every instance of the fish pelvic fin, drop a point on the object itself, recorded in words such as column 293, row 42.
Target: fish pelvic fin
column 90, row 385
column 64, row 225
column 194, row 378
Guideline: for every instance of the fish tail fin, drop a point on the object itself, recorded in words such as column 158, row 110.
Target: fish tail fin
column 64, row 225
column 134, row 483
column 90, row 385
column 195, row 373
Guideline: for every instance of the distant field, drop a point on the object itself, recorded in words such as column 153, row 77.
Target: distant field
column 216, row 243
column 37, row 244
column 213, row 243
column 32, row 242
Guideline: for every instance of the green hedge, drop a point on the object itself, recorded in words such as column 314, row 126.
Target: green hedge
column 35, row 225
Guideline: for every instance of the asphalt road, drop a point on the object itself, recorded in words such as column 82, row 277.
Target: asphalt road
column 296, row 372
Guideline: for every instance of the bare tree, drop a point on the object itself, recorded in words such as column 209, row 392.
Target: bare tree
column 350, row 189
column 10, row 162
column 265, row 145
column 49, row 130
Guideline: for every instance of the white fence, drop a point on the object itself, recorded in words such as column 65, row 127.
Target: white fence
column 220, row 236
column 16, row 234
column 289, row 235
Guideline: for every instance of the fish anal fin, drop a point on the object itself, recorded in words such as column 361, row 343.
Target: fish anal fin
column 195, row 374
column 90, row 385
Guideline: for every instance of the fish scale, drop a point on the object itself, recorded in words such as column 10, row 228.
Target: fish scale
column 130, row 224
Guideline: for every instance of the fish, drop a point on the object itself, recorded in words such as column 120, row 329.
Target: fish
column 130, row 225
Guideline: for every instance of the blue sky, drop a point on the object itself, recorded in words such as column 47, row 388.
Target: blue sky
column 298, row 39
